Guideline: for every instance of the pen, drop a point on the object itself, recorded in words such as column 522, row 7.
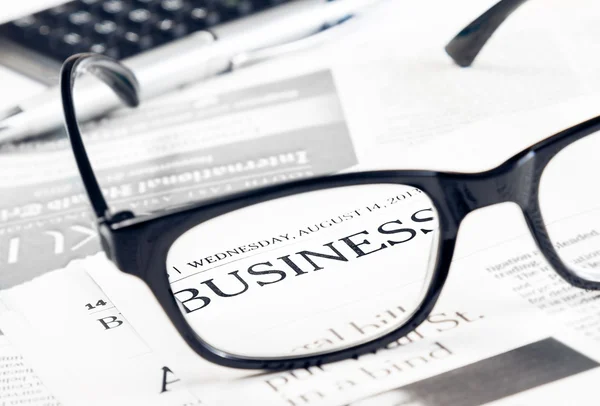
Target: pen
column 195, row 57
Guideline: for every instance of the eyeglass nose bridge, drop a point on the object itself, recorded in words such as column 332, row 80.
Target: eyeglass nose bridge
column 513, row 181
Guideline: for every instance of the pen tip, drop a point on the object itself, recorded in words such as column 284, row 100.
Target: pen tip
column 4, row 114
column 8, row 134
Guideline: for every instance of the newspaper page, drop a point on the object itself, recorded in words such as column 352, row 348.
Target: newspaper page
column 79, row 337
column 100, row 337
column 19, row 384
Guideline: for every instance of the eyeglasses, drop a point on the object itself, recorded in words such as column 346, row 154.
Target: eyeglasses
column 328, row 268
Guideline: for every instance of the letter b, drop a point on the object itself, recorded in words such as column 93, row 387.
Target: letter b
column 204, row 301
column 110, row 322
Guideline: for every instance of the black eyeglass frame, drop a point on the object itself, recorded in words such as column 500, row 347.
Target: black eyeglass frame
column 139, row 246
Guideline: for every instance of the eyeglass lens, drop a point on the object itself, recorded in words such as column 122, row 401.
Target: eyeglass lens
column 309, row 273
column 569, row 198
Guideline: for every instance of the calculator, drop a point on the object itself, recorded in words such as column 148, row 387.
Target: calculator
column 37, row 44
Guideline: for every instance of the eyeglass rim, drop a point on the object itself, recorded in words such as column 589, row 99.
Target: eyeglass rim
column 129, row 243
column 126, row 239
column 153, row 272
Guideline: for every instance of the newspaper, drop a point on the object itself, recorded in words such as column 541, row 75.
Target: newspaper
column 19, row 383
column 95, row 336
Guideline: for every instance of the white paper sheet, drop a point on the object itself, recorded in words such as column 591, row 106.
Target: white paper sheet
column 82, row 346
column 19, row 384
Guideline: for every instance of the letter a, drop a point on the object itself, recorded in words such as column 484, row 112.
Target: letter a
column 167, row 370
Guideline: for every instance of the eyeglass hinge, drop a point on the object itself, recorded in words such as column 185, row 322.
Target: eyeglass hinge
column 118, row 217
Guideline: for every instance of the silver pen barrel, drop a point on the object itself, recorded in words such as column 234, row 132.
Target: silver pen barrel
column 158, row 71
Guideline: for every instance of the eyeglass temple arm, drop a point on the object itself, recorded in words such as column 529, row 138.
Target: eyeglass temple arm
column 123, row 82
column 463, row 49
column 467, row 44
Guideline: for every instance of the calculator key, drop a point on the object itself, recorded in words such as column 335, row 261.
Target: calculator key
column 73, row 39
column 139, row 16
column 200, row 18
column 98, row 48
column 105, row 28
column 171, row 6
column 25, row 22
column 140, row 20
column 114, row 10
column 169, row 29
column 81, row 18
column 81, row 21
column 105, row 49
column 72, row 43
column 113, row 7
